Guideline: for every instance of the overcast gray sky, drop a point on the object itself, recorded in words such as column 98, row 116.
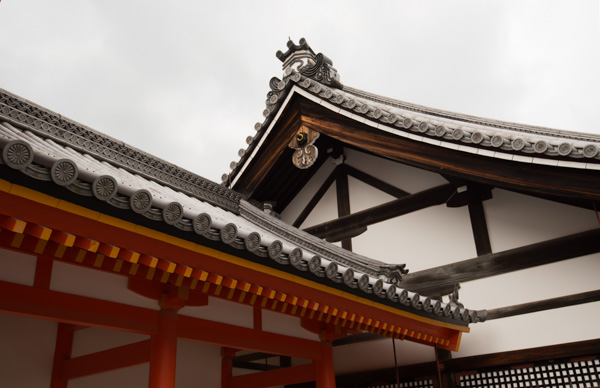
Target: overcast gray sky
column 187, row 80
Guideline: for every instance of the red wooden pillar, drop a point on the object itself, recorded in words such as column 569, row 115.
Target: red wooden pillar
column 227, row 355
column 62, row 352
column 325, row 371
column 163, row 353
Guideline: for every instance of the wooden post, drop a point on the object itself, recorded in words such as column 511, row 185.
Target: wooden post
column 164, row 351
column 227, row 355
column 62, row 352
column 324, row 368
column 445, row 379
column 343, row 201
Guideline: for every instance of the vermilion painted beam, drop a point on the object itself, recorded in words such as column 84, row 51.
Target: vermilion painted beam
column 107, row 360
column 223, row 334
column 282, row 376
column 13, row 224
column 57, row 306
column 74, row 309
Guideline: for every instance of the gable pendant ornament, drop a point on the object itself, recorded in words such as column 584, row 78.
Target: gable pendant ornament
column 305, row 152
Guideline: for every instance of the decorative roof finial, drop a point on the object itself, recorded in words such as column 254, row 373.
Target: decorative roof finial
column 302, row 59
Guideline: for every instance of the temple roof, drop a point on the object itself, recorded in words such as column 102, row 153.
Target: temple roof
column 313, row 78
column 92, row 169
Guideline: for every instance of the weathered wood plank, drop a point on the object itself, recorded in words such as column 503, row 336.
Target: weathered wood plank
column 376, row 183
column 386, row 211
column 546, row 304
column 479, row 227
column 430, row 280
column 528, row 177
column 524, row 356
column 343, row 200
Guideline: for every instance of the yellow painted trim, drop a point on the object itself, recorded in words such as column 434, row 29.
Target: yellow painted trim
column 5, row 185
column 134, row 268
column 165, row 277
column 40, row 246
column 33, row 195
column 17, row 240
column 80, row 255
column 99, row 260
column 150, row 273
column 60, row 251
column 118, row 265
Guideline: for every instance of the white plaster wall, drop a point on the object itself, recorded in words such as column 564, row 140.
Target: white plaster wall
column 17, row 267
column 441, row 235
column 26, row 351
column 371, row 355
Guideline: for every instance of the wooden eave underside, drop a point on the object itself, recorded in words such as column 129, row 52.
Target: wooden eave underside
column 106, row 243
column 271, row 175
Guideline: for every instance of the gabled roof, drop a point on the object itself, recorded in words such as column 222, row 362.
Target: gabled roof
column 50, row 153
column 536, row 160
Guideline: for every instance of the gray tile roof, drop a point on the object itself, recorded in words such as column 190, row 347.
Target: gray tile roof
column 313, row 77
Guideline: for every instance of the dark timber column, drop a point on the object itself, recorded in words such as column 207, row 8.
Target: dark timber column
column 62, row 352
column 343, row 200
column 445, row 378
column 325, row 371
column 479, row 224
column 227, row 355
column 163, row 354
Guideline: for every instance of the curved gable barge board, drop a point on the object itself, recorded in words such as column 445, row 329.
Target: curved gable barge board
column 525, row 177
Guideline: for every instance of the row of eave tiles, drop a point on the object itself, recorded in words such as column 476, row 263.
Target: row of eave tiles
column 525, row 139
column 205, row 219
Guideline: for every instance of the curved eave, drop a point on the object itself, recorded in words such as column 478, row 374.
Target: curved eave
column 36, row 223
column 570, row 176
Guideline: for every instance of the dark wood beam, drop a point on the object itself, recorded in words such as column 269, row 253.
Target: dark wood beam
column 376, row 183
column 253, row 365
column 386, row 211
column 525, row 356
column 479, row 227
column 528, row 177
column 315, row 199
column 253, row 357
column 546, row 304
column 343, row 200
column 429, row 281
column 346, row 234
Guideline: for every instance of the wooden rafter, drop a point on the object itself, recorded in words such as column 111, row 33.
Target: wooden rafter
column 542, row 305
column 430, row 281
column 386, row 211
column 376, row 182
column 343, row 201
